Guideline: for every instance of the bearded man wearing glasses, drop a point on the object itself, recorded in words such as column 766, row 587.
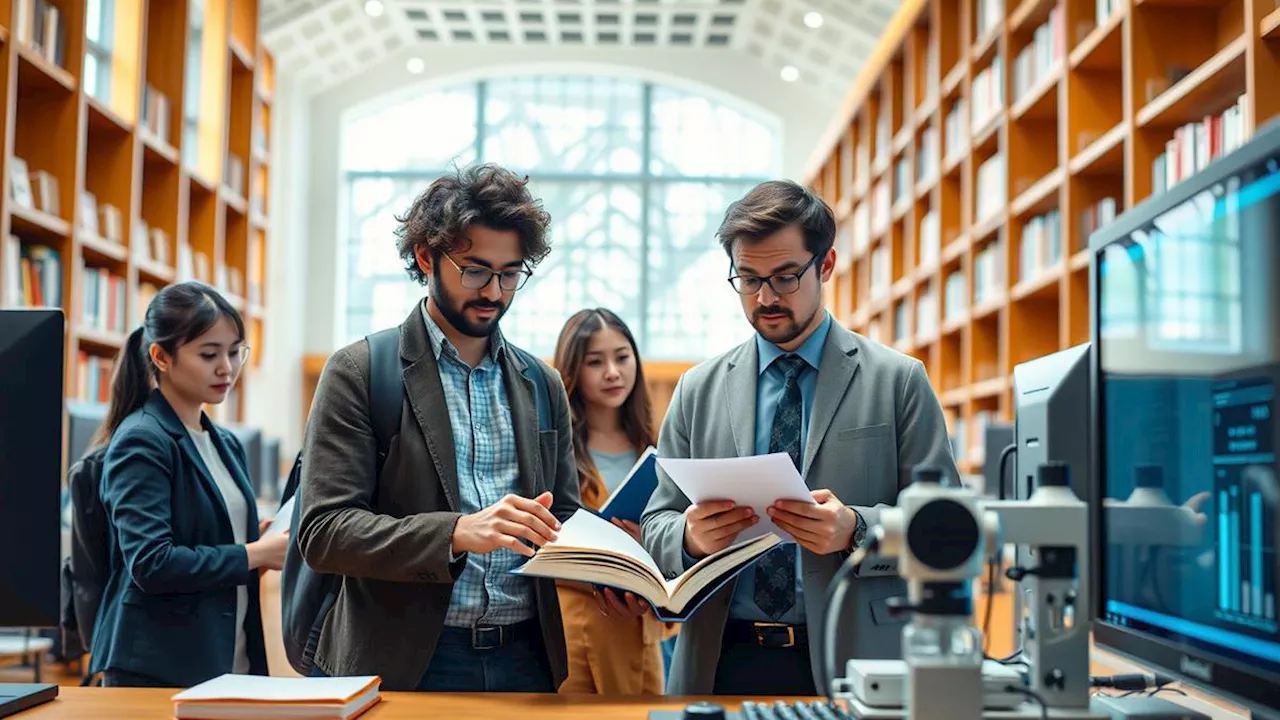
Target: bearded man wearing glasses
column 855, row 416
column 473, row 480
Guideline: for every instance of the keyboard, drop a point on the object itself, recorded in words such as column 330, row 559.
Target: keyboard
column 779, row 710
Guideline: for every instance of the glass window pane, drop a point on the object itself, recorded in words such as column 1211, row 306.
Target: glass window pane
column 580, row 139
column 695, row 135
column 429, row 132
column 550, row 125
column 93, row 27
column 91, row 74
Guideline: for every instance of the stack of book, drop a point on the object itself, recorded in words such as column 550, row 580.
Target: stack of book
column 234, row 697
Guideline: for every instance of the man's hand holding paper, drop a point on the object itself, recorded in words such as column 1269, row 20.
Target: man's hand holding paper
column 732, row 497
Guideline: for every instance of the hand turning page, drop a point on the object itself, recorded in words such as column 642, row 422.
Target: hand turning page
column 593, row 550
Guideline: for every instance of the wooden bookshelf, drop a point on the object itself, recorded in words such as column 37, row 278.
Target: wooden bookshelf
column 985, row 139
column 121, row 178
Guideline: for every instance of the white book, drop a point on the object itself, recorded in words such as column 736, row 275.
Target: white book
column 593, row 550
column 233, row 697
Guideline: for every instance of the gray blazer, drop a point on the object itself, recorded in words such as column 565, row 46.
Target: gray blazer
column 389, row 536
column 874, row 418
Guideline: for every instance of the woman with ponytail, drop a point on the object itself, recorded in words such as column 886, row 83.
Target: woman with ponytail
column 613, row 642
column 181, row 601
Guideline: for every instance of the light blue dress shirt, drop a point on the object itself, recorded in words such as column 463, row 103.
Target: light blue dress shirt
column 769, row 389
column 484, row 441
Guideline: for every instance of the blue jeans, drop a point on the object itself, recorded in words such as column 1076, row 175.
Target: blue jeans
column 668, row 649
column 520, row 666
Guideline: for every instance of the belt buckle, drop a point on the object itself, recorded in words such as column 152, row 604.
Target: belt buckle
column 482, row 631
column 761, row 627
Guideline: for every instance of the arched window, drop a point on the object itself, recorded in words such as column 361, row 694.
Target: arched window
column 636, row 176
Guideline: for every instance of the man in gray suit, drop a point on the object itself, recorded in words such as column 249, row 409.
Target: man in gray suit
column 470, row 484
column 854, row 416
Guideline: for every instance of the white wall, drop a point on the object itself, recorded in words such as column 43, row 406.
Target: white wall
column 307, row 222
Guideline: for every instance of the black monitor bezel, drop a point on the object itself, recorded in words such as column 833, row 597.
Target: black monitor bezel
column 1260, row 691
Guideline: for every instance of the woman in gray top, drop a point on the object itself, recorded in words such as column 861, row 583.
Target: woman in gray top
column 613, row 641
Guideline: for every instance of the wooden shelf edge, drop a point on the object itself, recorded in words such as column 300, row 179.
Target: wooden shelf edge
column 240, row 53
column 57, row 74
column 1032, row 286
column 1038, row 192
column 101, row 338
column 953, row 79
column 95, row 105
column 1080, row 260
column 158, row 146
column 1025, row 10
column 990, row 387
column 1037, row 92
column 986, row 45
column 102, row 246
column 51, row 224
column 1095, row 38
column 1166, row 100
column 1103, row 145
column 155, row 270
column 1270, row 25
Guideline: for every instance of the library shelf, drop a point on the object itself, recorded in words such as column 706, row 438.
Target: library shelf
column 1113, row 83
column 100, row 220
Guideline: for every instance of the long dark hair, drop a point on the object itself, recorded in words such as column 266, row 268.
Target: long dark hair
column 177, row 315
column 636, row 410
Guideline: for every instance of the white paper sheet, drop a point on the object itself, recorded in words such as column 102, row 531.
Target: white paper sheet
column 282, row 520
column 757, row 481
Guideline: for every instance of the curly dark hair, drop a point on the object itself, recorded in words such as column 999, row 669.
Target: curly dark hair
column 488, row 195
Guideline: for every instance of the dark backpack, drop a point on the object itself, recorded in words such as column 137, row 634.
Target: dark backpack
column 84, row 573
column 308, row 596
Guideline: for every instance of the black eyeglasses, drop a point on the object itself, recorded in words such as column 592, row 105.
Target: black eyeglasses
column 780, row 283
column 475, row 277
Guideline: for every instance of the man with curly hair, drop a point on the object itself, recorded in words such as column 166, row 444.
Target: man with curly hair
column 469, row 485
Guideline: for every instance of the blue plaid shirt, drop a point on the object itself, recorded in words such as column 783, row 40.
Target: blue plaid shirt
column 484, row 441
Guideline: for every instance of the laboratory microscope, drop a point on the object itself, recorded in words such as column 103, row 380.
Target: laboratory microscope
column 942, row 536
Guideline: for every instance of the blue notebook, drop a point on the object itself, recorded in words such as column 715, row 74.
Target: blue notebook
column 627, row 502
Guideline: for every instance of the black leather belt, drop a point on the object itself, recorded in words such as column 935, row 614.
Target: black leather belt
column 766, row 634
column 489, row 637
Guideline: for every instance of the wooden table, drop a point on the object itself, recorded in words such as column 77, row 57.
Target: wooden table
column 77, row 703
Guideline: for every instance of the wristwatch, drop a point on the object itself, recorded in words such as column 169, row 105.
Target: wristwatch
column 859, row 532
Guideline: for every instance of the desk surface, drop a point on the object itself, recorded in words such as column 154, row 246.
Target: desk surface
column 76, row 703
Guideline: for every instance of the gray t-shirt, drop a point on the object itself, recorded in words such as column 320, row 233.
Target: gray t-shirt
column 614, row 467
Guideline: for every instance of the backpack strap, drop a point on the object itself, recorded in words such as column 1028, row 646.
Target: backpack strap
column 541, row 395
column 386, row 387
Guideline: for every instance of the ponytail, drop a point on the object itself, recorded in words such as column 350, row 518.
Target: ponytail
column 130, row 384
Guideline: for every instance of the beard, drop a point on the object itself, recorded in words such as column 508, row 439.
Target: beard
column 455, row 312
column 786, row 330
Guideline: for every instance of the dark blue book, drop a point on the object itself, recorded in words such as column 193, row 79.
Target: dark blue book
column 627, row 502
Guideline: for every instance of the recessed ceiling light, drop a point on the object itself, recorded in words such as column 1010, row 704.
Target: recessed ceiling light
column 813, row 19
column 790, row 73
column 374, row 8
column 415, row 66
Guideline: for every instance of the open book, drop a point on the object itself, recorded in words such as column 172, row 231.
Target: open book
column 590, row 549
column 627, row 502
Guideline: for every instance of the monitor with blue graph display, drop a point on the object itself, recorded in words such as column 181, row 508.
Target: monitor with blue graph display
column 1186, row 321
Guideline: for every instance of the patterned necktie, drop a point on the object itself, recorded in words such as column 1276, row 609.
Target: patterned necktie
column 775, row 573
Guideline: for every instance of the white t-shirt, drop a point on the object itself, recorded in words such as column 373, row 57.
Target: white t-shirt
column 238, row 510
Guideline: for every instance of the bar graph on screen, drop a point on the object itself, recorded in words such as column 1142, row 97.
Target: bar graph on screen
column 1245, row 503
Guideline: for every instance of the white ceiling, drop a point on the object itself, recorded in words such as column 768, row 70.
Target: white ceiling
column 323, row 42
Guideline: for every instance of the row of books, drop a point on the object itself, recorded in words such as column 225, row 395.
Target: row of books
column 927, row 154
column 955, row 131
column 42, row 26
column 1040, row 246
column 902, row 320
column 1196, row 144
column 881, row 272
column 927, row 313
column 1094, row 218
column 992, row 188
column 33, row 274
column 930, row 240
column 903, row 184
column 881, row 206
column 93, row 378
column 988, row 14
column 987, row 93
column 1041, row 55
column 955, row 299
column 884, row 137
column 988, row 273
column 102, row 299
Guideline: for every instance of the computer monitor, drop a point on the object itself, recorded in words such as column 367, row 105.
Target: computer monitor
column 1185, row 319
column 995, row 438
column 32, row 356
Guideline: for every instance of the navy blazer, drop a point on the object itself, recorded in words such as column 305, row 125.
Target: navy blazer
column 168, row 610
